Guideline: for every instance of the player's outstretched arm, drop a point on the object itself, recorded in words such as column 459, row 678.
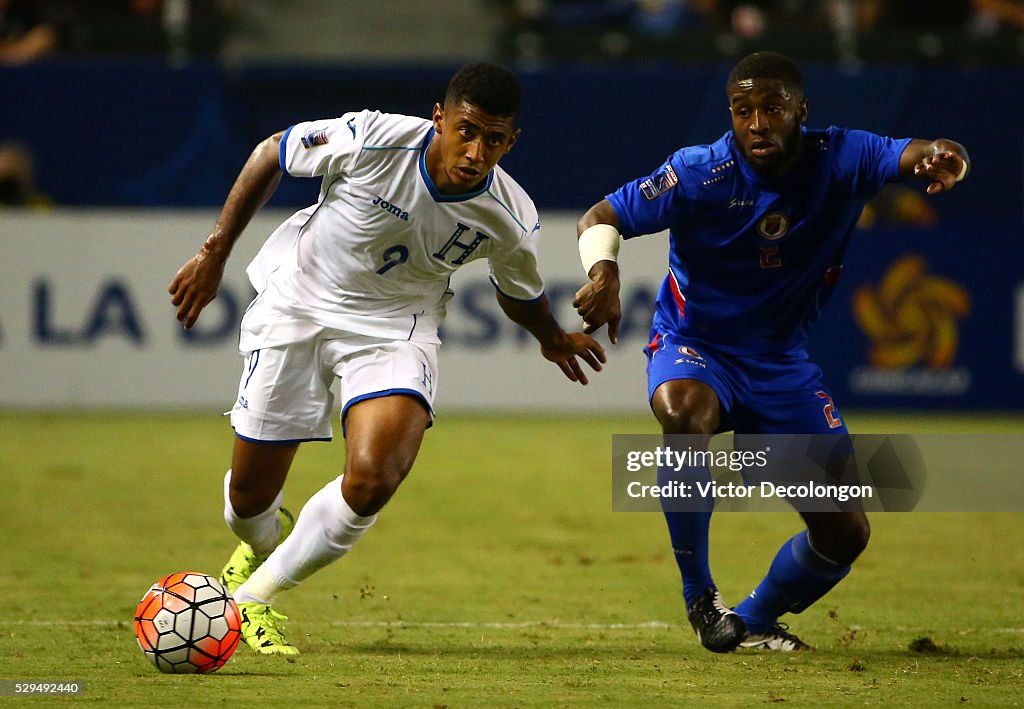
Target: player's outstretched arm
column 598, row 301
column 942, row 162
column 197, row 282
column 556, row 345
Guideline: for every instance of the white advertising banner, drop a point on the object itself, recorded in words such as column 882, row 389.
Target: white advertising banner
column 86, row 321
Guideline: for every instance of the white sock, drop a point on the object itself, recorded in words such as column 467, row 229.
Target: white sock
column 261, row 587
column 324, row 532
column 261, row 532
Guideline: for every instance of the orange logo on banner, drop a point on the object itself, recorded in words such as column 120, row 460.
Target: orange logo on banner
column 912, row 317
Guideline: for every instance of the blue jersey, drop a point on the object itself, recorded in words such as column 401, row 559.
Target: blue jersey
column 752, row 260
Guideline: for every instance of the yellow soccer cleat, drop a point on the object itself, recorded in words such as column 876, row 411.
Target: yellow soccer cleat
column 244, row 560
column 261, row 632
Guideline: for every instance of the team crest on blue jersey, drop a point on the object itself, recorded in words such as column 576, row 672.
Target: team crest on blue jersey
column 773, row 225
column 314, row 137
column 659, row 183
column 690, row 352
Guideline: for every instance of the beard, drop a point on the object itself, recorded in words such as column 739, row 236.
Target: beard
column 780, row 161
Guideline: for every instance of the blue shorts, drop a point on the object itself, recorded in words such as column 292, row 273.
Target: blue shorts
column 759, row 394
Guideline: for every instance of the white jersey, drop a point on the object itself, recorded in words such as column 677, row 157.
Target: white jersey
column 375, row 254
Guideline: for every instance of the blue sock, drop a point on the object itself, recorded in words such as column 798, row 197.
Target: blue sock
column 689, row 533
column 797, row 578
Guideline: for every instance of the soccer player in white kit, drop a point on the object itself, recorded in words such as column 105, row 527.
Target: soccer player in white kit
column 354, row 287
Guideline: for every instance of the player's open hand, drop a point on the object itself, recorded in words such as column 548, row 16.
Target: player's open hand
column 598, row 303
column 941, row 169
column 566, row 351
column 195, row 285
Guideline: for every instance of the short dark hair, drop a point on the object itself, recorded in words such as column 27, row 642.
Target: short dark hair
column 491, row 87
column 768, row 65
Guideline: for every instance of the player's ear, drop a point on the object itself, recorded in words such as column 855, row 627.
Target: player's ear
column 802, row 112
column 438, row 117
column 512, row 140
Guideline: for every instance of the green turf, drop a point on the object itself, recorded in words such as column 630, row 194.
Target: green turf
column 498, row 576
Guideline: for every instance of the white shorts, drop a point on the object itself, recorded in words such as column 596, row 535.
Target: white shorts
column 285, row 394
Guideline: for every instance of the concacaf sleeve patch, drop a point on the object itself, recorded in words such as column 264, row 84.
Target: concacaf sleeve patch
column 314, row 137
column 657, row 184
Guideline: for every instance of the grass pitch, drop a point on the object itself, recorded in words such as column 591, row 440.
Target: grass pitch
column 498, row 576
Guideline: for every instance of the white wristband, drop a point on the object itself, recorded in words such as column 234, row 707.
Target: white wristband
column 599, row 242
column 963, row 171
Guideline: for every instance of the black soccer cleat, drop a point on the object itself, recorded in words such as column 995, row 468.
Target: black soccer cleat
column 776, row 638
column 718, row 627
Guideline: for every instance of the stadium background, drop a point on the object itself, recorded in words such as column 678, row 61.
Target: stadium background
column 135, row 147
column 500, row 575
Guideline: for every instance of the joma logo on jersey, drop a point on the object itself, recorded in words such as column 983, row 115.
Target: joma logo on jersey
column 392, row 209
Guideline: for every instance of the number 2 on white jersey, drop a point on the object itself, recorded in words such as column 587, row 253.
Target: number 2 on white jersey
column 394, row 256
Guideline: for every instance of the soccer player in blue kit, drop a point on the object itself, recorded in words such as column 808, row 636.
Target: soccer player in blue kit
column 758, row 224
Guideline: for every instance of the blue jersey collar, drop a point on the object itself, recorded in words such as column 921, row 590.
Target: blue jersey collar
column 434, row 192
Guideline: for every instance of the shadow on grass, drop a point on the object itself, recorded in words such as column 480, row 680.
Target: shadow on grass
column 541, row 651
column 670, row 651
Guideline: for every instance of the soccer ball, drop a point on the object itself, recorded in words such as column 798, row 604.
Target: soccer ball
column 188, row 623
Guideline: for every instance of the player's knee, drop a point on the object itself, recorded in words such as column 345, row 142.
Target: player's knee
column 858, row 536
column 370, row 482
column 366, row 495
column 686, row 406
column 686, row 420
